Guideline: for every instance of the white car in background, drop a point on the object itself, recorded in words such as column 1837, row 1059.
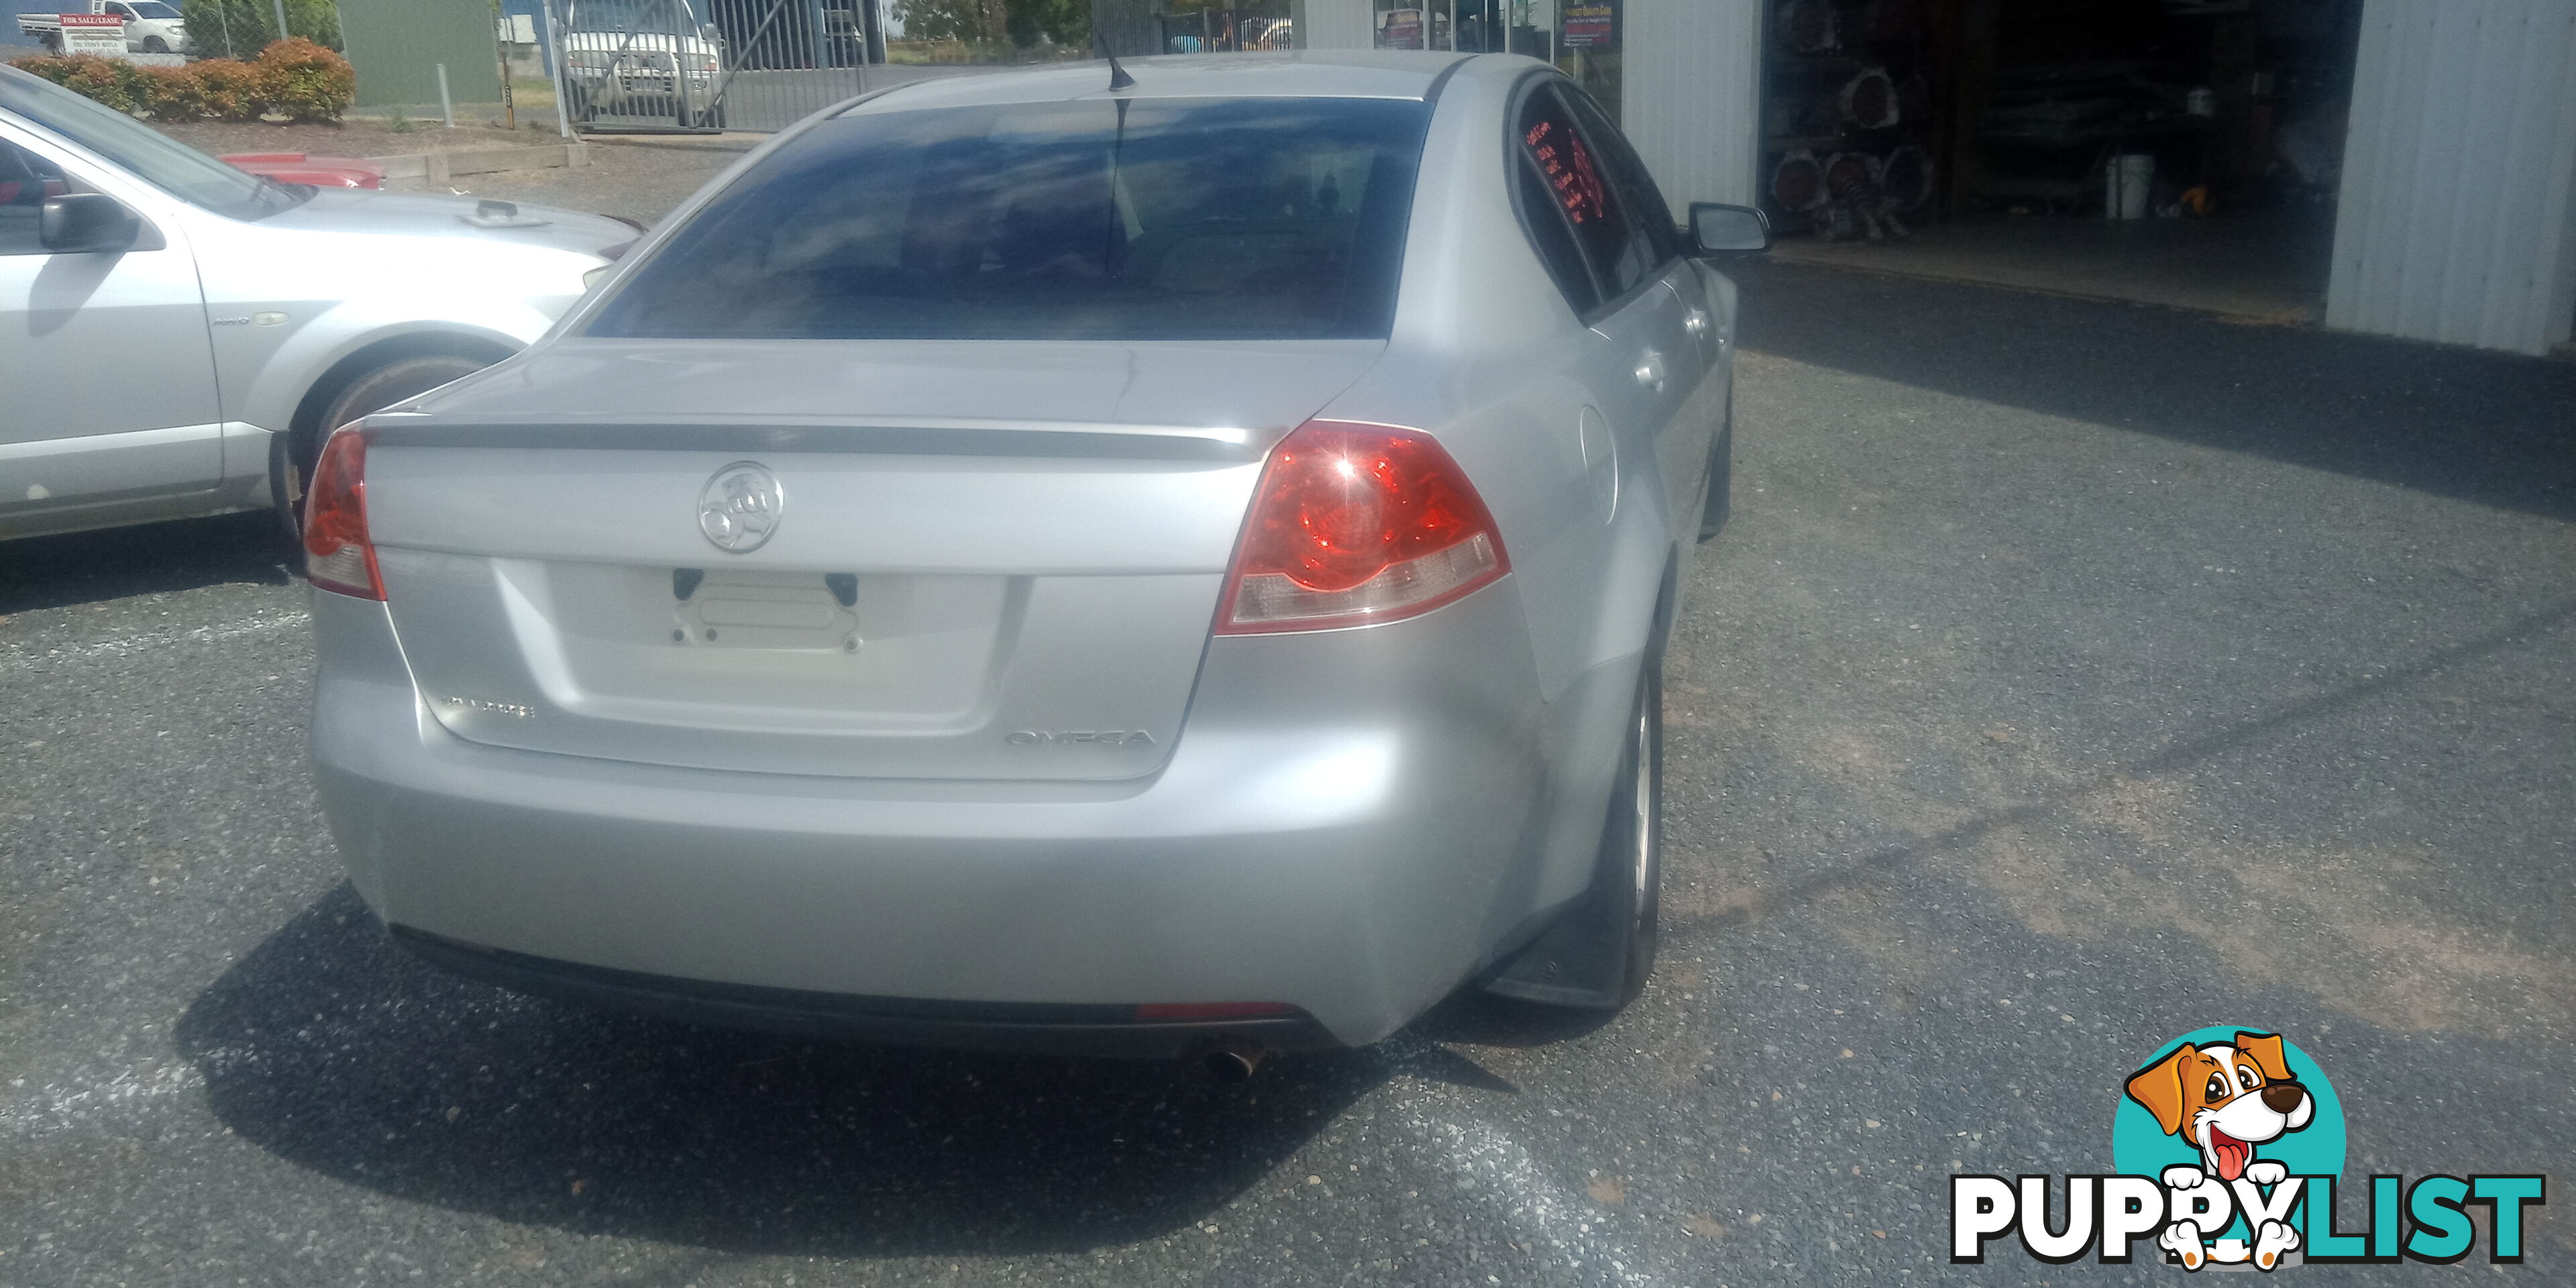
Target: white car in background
column 621, row 71
column 275, row 312
column 151, row 26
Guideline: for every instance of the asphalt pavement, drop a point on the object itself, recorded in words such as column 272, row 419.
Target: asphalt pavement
column 2072, row 675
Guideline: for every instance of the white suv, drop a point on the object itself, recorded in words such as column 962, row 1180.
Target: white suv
column 270, row 312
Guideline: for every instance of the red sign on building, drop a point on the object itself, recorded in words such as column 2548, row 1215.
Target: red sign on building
column 1400, row 29
column 1591, row 26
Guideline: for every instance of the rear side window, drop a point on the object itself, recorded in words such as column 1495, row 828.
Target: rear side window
column 1626, row 172
column 1581, row 188
column 1551, row 236
column 1095, row 220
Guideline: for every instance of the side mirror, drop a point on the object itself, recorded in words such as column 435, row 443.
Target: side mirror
column 87, row 223
column 1720, row 229
column 710, row 33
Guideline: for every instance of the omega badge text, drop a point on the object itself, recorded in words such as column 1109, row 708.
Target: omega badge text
column 489, row 707
column 1071, row 737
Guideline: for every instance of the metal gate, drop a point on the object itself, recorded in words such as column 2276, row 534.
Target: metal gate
column 651, row 66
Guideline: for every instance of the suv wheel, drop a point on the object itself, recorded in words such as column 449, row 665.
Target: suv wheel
column 291, row 455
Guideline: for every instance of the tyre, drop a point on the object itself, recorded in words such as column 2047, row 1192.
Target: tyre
column 1633, row 844
column 155, row 45
column 1598, row 955
column 291, row 455
column 53, row 43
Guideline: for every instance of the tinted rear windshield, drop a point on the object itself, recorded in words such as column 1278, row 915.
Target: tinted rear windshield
column 1097, row 220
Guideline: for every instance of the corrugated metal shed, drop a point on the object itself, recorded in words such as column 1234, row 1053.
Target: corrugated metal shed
column 397, row 47
column 2456, row 221
column 1691, row 98
column 1334, row 24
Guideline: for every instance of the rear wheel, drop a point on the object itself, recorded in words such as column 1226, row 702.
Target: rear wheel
column 369, row 389
column 1636, row 832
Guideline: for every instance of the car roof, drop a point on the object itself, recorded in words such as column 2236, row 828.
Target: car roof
column 1358, row 73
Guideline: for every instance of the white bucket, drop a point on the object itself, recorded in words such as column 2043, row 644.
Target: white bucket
column 2132, row 177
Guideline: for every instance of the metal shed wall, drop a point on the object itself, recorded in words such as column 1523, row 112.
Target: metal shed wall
column 2456, row 222
column 1691, row 99
column 397, row 47
column 1334, row 24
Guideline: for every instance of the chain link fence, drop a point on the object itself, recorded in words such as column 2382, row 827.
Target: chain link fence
column 704, row 65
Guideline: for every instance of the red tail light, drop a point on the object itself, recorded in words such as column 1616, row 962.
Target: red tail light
column 337, row 554
column 1353, row 524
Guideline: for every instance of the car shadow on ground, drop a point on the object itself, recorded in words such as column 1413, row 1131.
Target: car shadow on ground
column 2478, row 426
column 155, row 558
column 332, row 1048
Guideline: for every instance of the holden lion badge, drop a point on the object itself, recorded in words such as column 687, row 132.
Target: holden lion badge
column 740, row 507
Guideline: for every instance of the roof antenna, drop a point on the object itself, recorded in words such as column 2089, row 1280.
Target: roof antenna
column 1118, row 77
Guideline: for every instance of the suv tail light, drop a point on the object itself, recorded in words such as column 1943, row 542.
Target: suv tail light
column 337, row 554
column 1356, row 523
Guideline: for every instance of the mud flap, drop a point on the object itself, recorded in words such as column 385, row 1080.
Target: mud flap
column 1598, row 953
column 1581, row 960
column 1721, row 472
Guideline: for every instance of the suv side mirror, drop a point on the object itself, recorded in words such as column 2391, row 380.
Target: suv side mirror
column 1720, row 229
column 87, row 223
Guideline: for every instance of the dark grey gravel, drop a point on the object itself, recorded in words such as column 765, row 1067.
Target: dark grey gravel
column 2073, row 675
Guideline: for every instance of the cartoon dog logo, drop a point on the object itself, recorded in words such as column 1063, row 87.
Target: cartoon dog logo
column 2225, row 1100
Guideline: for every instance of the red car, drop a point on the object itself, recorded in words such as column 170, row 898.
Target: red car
column 321, row 172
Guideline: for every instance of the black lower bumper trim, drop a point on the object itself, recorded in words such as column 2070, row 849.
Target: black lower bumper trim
column 1031, row 1027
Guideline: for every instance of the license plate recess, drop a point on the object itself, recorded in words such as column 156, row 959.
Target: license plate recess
column 802, row 612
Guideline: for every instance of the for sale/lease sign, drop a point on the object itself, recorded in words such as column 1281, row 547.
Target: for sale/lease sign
column 94, row 33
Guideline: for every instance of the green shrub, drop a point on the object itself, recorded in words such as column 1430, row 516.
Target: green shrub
column 295, row 78
column 172, row 94
column 45, row 65
column 305, row 81
column 113, row 82
column 230, row 90
column 241, row 28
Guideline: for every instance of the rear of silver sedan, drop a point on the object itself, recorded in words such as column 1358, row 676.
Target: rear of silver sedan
column 952, row 586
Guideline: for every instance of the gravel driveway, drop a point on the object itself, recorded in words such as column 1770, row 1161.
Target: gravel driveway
column 2073, row 675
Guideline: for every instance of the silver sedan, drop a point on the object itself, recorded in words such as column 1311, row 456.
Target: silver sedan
column 177, row 336
column 1170, row 564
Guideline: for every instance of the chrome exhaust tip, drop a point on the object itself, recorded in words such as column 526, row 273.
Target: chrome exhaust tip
column 1234, row 1061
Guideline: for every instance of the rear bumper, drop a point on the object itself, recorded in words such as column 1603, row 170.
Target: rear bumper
column 1037, row 1028
column 1349, row 825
